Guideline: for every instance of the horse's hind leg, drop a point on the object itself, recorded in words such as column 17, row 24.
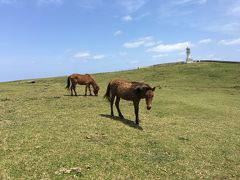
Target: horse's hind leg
column 71, row 88
column 136, row 109
column 85, row 90
column 118, row 109
column 74, row 88
column 111, row 103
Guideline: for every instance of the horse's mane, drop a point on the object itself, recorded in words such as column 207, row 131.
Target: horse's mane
column 94, row 83
column 90, row 77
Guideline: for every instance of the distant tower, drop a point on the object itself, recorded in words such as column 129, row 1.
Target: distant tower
column 188, row 52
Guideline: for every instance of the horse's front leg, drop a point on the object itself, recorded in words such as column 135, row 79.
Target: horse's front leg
column 136, row 109
column 85, row 90
column 89, row 88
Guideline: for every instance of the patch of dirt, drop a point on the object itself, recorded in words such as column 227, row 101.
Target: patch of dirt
column 74, row 170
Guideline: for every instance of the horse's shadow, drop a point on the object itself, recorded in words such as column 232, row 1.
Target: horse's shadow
column 79, row 95
column 124, row 121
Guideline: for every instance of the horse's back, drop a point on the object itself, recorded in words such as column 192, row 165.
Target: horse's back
column 120, row 84
column 127, row 84
column 76, row 76
column 81, row 79
column 123, row 89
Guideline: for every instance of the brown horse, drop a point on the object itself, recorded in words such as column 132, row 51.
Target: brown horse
column 86, row 79
column 130, row 91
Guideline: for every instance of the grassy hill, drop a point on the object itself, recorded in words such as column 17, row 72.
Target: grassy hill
column 192, row 131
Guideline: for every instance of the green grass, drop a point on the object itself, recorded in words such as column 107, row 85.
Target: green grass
column 192, row 131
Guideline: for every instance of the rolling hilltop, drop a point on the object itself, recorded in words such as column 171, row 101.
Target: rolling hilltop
column 192, row 131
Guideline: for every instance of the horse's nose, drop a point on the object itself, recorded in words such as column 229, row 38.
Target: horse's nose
column 149, row 107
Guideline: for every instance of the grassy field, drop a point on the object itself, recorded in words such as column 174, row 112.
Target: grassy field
column 192, row 131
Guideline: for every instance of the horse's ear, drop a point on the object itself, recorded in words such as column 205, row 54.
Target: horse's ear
column 153, row 89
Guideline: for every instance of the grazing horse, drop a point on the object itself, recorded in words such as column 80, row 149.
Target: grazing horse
column 86, row 79
column 130, row 91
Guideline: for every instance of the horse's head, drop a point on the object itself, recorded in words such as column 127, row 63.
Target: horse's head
column 149, row 97
column 147, row 92
column 96, row 89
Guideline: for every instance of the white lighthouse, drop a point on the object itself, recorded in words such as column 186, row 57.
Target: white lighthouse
column 188, row 53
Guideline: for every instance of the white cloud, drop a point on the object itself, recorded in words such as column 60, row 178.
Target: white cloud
column 87, row 55
column 134, row 44
column 164, row 48
column 99, row 56
column 160, row 55
column 235, row 9
column 145, row 41
column 127, row 18
column 205, row 41
column 132, row 5
column 81, row 55
column 45, row 2
column 118, row 33
column 230, row 42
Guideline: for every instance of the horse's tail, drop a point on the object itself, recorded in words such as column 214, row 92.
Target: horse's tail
column 68, row 83
column 107, row 94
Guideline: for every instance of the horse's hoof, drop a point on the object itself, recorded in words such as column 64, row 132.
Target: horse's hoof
column 121, row 117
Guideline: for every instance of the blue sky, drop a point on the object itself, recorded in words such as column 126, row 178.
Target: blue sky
column 42, row 38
